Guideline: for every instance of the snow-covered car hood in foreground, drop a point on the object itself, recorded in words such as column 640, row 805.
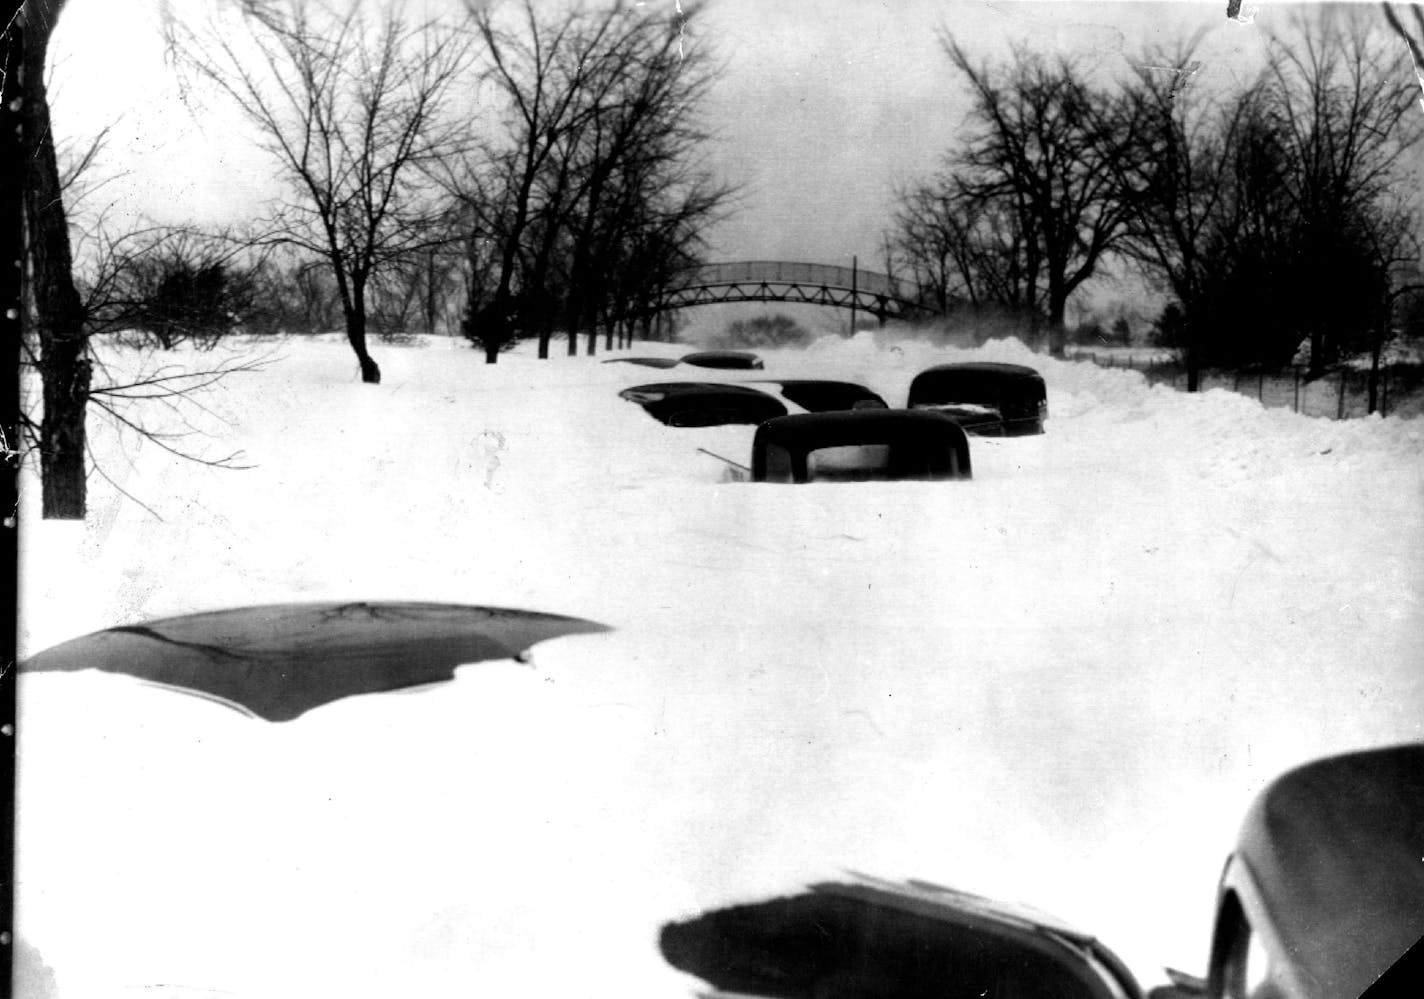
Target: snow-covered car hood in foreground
column 277, row 662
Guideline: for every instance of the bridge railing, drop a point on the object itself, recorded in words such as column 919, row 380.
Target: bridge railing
column 787, row 272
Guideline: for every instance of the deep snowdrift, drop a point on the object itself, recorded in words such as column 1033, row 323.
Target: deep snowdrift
column 1059, row 683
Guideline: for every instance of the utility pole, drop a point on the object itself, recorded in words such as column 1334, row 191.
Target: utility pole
column 854, row 281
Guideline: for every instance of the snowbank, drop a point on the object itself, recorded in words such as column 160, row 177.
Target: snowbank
column 1059, row 683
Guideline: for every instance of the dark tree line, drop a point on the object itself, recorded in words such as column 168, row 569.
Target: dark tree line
column 1270, row 215
column 592, row 195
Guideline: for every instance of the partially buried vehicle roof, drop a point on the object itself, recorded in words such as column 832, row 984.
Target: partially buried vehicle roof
column 1334, row 849
column 647, row 362
column 701, row 404
column 825, row 395
column 723, row 359
column 867, row 444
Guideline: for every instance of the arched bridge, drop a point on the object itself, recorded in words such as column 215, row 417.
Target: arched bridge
column 784, row 281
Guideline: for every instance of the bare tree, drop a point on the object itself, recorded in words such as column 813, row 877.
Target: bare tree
column 967, row 249
column 58, row 335
column 1182, row 181
column 1414, row 42
column 356, row 112
column 1041, row 145
column 166, row 285
column 603, row 106
column 542, row 70
column 422, row 293
column 1342, row 111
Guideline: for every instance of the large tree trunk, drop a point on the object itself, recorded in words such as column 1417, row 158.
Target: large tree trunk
column 356, row 335
column 59, row 315
column 12, row 308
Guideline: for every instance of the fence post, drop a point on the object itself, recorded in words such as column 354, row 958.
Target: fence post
column 1384, row 394
column 1295, row 372
column 1340, row 407
column 1261, row 386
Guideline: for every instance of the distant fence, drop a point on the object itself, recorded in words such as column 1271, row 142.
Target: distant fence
column 1339, row 394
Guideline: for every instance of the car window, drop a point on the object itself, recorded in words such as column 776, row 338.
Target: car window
column 778, row 464
column 849, row 462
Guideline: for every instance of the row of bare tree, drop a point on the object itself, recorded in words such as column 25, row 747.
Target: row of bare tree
column 1278, row 212
column 594, row 194
column 571, row 210
column 514, row 173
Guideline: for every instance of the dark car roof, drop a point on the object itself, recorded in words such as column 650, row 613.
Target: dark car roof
column 821, row 394
column 860, row 426
column 722, row 359
column 673, row 389
column 723, row 404
column 978, row 371
column 884, row 938
column 1335, row 849
column 647, row 362
column 987, row 367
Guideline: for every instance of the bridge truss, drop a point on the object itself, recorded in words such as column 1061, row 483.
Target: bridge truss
column 784, row 281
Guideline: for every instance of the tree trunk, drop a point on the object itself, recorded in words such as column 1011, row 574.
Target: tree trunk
column 1057, row 335
column 59, row 315
column 546, row 333
column 1317, row 352
column 1376, row 349
column 356, row 336
column 12, row 291
column 493, row 336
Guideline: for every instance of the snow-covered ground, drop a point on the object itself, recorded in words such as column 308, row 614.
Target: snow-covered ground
column 1059, row 683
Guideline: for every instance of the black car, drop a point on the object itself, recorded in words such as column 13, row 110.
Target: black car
column 1325, row 889
column 704, row 404
column 734, row 359
column 870, row 939
column 1016, row 392
column 1322, row 898
column 860, row 445
column 822, row 395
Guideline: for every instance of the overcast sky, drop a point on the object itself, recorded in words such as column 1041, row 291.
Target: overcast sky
column 824, row 107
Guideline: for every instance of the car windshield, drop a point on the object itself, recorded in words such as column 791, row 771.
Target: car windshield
column 849, row 463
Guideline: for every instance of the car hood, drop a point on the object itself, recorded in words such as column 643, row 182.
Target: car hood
column 868, row 937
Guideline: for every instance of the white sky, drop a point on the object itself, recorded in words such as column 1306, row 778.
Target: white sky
column 825, row 105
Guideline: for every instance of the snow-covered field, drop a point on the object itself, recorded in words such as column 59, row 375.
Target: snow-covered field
column 1059, row 683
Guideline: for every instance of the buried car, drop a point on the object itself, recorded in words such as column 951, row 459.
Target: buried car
column 278, row 661
column 1011, row 397
column 704, row 404
column 646, row 362
column 733, row 359
column 1322, row 898
column 701, row 404
column 822, row 395
column 860, row 445
column 870, row 939
column 1325, row 889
